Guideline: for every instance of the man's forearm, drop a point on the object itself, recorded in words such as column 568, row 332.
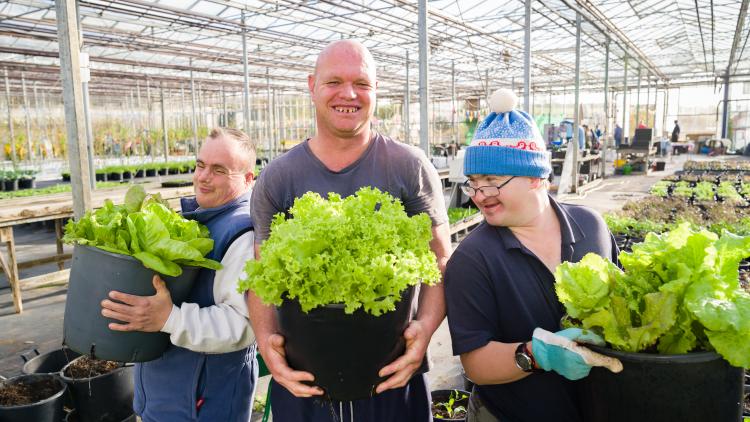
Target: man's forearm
column 262, row 319
column 432, row 298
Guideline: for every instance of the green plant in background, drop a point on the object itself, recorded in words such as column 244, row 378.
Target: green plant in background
column 361, row 251
column 679, row 292
column 457, row 214
column 704, row 191
column 728, row 193
column 147, row 229
column 682, row 189
column 51, row 190
column 453, row 411
column 660, row 188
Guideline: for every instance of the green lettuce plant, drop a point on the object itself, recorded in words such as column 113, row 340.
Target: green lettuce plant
column 361, row 251
column 147, row 229
column 679, row 292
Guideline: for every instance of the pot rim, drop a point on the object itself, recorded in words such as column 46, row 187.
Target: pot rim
column 691, row 357
column 65, row 378
column 123, row 256
column 40, row 402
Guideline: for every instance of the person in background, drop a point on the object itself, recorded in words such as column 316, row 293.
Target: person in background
column 344, row 155
column 209, row 371
column 503, row 312
column 618, row 135
column 675, row 133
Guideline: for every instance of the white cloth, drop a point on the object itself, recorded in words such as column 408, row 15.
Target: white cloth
column 225, row 326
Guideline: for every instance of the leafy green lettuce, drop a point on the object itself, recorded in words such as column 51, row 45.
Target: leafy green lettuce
column 147, row 229
column 362, row 251
column 679, row 292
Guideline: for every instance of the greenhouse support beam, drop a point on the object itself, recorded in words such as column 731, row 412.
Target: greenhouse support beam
column 725, row 110
column 638, row 100
column 576, row 113
column 70, row 70
column 648, row 97
column 407, row 101
column 424, row 93
column 192, row 113
column 164, row 124
column 607, row 129
column 225, row 117
column 27, row 119
column 11, row 136
column 527, row 57
column 269, row 113
column 625, row 113
column 246, row 79
column 454, row 111
column 89, row 134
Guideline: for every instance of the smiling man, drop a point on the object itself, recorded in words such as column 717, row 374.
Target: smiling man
column 344, row 155
column 502, row 306
column 209, row 371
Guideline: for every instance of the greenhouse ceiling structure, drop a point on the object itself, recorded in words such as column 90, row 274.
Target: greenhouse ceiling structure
column 426, row 51
column 134, row 42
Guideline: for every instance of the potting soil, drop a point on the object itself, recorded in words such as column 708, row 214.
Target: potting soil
column 87, row 368
column 22, row 393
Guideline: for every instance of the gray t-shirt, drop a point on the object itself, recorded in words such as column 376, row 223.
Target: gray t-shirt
column 399, row 169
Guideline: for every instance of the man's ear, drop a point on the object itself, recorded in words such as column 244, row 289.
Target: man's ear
column 536, row 182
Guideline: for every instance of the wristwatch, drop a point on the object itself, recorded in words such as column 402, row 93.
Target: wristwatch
column 524, row 359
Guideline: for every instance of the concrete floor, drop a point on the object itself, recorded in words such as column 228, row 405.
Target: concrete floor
column 40, row 325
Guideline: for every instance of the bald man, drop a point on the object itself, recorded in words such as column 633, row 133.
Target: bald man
column 343, row 156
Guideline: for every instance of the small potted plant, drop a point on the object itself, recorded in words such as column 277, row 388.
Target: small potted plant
column 10, row 180
column 27, row 179
column 101, row 390
column 450, row 405
column 343, row 274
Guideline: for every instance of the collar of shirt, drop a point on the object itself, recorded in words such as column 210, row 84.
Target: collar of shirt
column 570, row 232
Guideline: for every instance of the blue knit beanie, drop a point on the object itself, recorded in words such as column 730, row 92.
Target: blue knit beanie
column 507, row 142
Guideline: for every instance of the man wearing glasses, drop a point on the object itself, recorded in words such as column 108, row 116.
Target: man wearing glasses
column 502, row 309
column 209, row 371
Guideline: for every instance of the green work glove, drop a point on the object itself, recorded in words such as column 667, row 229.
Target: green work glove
column 560, row 352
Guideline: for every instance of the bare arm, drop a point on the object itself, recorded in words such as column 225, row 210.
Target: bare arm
column 271, row 345
column 494, row 363
column 429, row 316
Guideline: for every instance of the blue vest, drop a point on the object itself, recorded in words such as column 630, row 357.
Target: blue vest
column 183, row 385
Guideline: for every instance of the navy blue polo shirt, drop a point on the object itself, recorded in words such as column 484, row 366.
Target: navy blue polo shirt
column 498, row 290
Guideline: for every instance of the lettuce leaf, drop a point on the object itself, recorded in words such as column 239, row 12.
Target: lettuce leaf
column 679, row 292
column 147, row 229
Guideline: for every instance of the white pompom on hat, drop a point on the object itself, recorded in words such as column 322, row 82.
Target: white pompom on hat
column 503, row 100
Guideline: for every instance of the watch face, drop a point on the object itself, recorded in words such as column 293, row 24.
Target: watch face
column 523, row 362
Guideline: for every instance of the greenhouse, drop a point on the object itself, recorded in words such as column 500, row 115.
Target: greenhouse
column 334, row 210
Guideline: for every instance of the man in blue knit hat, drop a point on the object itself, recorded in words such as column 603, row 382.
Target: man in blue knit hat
column 209, row 371
column 503, row 312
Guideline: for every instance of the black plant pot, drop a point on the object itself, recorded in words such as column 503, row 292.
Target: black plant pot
column 115, row 177
column 162, row 172
column 10, row 185
column 73, row 417
column 100, row 177
column 176, row 183
column 697, row 386
column 140, row 173
column 103, row 398
column 443, row 396
column 66, row 177
column 127, row 175
column 93, row 274
column 26, row 183
column 51, row 362
column 150, row 172
column 173, row 171
column 49, row 409
column 344, row 351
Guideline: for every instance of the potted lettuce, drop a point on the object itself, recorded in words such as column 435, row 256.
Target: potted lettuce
column 344, row 265
column 120, row 247
column 674, row 313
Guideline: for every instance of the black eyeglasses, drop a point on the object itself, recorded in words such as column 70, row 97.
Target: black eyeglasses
column 486, row 190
